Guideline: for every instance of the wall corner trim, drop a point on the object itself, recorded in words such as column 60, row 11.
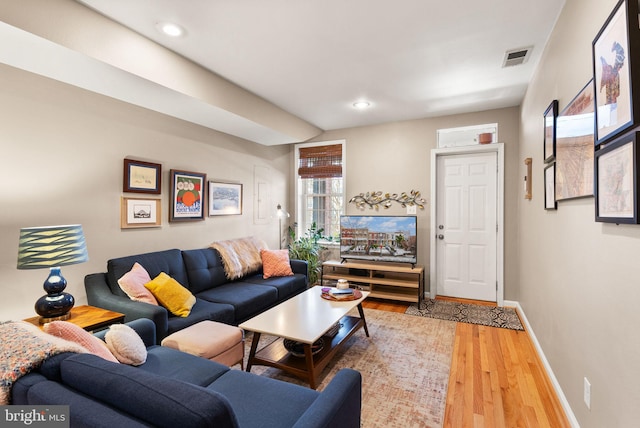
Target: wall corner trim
column 554, row 381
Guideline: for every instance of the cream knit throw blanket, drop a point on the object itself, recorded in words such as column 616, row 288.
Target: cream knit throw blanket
column 24, row 348
column 240, row 257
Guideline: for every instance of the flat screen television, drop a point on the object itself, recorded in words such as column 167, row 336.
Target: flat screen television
column 379, row 238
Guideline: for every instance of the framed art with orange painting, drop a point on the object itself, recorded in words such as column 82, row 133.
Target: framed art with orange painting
column 187, row 195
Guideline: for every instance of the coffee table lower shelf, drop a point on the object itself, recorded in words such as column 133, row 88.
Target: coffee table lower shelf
column 309, row 367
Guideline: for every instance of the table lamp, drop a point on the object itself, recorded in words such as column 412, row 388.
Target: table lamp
column 52, row 247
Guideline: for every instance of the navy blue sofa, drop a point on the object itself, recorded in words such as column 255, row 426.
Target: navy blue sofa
column 202, row 272
column 176, row 389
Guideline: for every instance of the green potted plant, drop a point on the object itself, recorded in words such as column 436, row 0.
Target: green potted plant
column 307, row 248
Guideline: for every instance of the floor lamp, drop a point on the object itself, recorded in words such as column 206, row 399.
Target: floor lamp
column 281, row 214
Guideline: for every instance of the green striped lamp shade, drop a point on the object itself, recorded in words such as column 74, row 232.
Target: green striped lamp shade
column 51, row 246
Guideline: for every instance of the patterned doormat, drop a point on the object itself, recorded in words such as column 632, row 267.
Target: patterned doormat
column 491, row 316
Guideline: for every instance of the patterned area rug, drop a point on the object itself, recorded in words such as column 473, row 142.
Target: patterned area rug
column 405, row 366
column 463, row 312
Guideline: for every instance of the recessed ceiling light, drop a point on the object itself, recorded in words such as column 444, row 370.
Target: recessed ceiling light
column 170, row 29
column 361, row 104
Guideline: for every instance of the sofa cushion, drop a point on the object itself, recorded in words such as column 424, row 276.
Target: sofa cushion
column 275, row 263
column 287, row 286
column 155, row 399
column 203, row 310
column 254, row 407
column 167, row 261
column 171, row 294
column 73, row 333
column 83, row 411
column 175, row 364
column 247, row 299
column 132, row 283
column 205, row 269
column 125, row 344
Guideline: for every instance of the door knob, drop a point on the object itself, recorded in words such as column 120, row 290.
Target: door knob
column 440, row 236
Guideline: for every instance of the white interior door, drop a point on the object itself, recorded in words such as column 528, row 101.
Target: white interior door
column 466, row 232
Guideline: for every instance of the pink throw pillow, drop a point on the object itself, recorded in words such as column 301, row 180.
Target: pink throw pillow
column 275, row 263
column 132, row 283
column 73, row 333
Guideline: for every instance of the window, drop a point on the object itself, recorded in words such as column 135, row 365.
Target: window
column 465, row 135
column 320, row 186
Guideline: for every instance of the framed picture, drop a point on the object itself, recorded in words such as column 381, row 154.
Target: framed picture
column 187, row 195
column 550, row 115
column 225, row 198
column 550, row 187
column 615, row 70
column 616, row 182
column 141, row 177
column 575, row 147
column 139, row 212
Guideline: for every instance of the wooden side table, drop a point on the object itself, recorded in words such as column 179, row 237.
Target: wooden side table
column 88, row 317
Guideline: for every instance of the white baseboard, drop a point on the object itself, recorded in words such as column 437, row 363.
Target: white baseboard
column 554, row 381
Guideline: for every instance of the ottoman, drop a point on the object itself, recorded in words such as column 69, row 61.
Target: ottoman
column 212, row 340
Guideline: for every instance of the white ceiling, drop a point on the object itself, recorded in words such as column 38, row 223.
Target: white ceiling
column 410, row 58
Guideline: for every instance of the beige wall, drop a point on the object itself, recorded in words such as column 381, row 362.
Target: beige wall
column 62, row 152
column 579, row 279
column 396, row 157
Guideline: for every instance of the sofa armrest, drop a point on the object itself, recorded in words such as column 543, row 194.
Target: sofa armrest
column 99, row 294
column 300, row 266
column 338, row 405
column 145, row 328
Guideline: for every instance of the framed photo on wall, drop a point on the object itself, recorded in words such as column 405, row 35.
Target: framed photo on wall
column 142, row 177
column 575, row 147
column 550, row 187
column 616, row 183
column 139, row 212
column 225, row 198
column 187, row 195
column 550, row 115
column 616, row 71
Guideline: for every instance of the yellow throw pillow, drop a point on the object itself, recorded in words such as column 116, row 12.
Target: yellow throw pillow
column 171, row 294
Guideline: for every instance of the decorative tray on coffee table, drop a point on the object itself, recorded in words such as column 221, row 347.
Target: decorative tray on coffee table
column 357, row 294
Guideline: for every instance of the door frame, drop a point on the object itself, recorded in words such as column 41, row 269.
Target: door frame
column 498, row 148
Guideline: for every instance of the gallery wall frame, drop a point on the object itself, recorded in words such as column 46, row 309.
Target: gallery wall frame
column 549, row 123
column 225, row 198
column 187, row 195
column 616, row 184
column 142, row 177
column 140, row 212
column 550, row 187
column 575, row 146
column 616, row 71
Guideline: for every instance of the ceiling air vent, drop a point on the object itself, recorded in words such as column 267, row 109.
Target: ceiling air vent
column 516, row 57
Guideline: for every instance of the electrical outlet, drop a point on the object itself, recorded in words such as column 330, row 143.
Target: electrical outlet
column 587, row 393
column 412, row 209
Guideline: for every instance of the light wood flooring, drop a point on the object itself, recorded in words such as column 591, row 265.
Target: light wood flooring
column 496, row 378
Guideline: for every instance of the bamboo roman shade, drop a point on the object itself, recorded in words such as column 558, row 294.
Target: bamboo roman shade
column 320, row 161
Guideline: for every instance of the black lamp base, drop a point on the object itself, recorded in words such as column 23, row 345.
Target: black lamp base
column 55, row 306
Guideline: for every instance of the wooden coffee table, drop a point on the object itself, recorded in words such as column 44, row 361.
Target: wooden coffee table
column 304, row 318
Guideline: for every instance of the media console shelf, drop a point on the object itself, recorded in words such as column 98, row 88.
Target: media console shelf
column 394, row 281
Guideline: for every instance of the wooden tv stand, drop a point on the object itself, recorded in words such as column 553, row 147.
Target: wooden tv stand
column 394, row 281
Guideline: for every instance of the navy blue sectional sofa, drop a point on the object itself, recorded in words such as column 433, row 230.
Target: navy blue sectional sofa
column 202, row 272
column 176, row 389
